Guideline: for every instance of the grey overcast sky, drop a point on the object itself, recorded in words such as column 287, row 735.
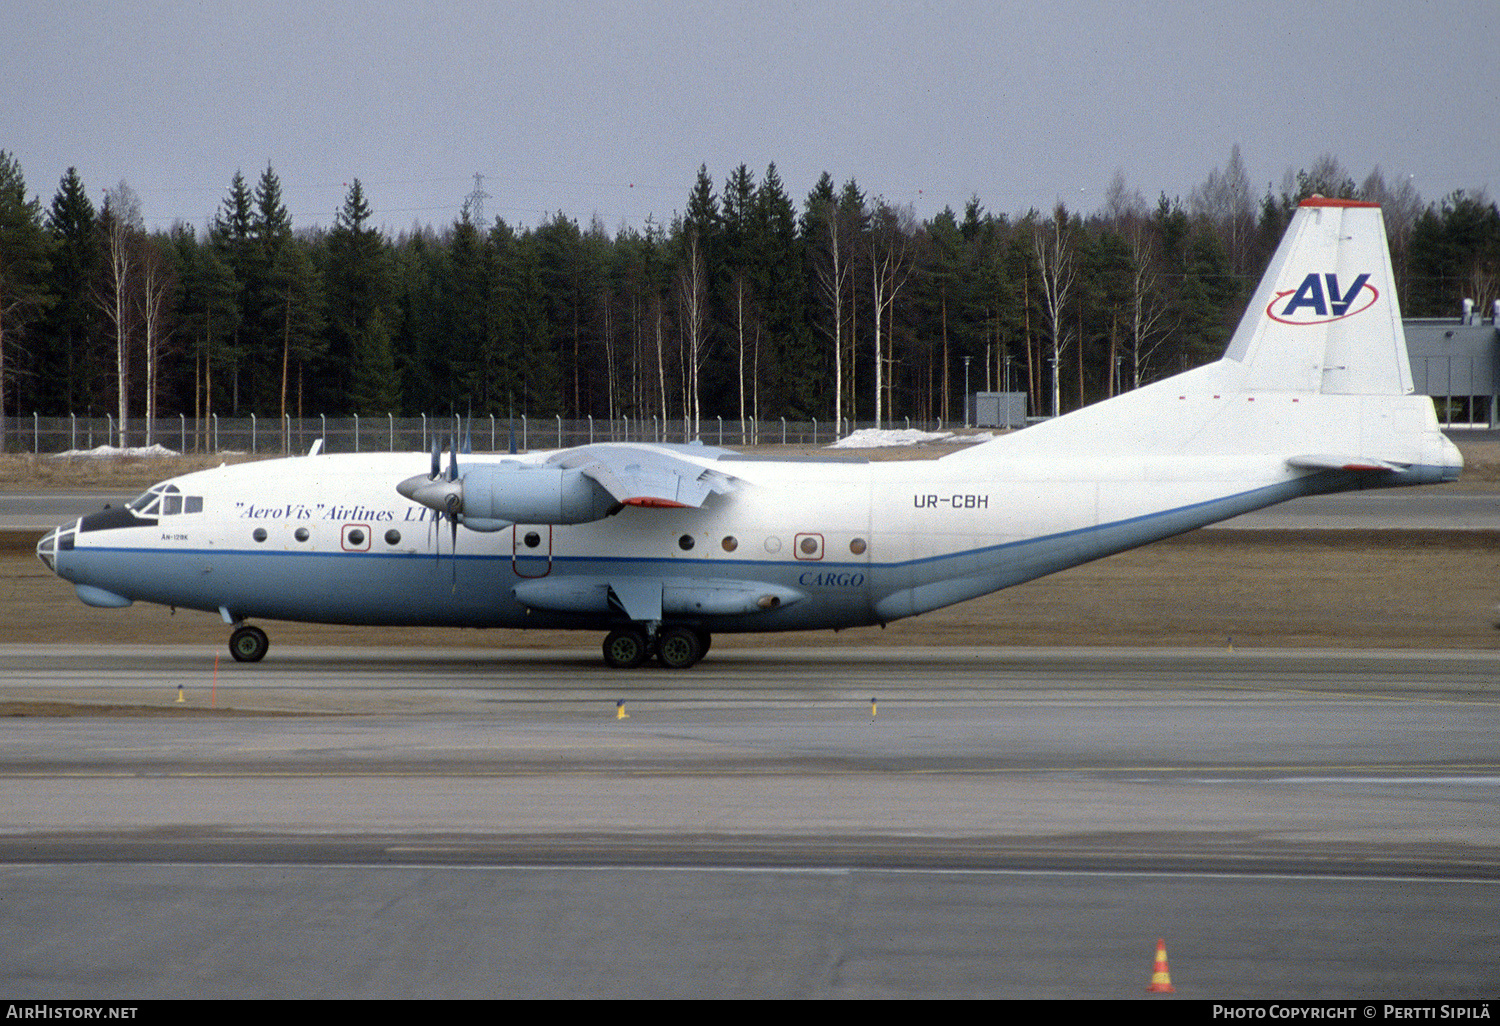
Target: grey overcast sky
column 608, row 108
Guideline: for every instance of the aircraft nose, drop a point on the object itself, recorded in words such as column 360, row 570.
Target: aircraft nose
column 59, row 539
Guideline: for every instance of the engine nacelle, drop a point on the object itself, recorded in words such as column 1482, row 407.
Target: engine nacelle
column 498, row 495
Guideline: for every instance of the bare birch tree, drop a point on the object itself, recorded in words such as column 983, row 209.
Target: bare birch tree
column 832, row 270
column 891, row 245
column 1225, row 202
column 1053, row 242
column 692, row 295
column 153, row 299
column 121, row 220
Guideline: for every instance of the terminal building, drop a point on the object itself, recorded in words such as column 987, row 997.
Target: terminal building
column 1456, row 360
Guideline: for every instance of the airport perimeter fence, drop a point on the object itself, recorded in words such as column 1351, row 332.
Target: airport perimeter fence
column 271, row 436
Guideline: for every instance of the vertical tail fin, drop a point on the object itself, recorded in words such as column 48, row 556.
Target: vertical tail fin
column 1325, row 318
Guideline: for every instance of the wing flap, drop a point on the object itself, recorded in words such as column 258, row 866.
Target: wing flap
column 1338, row 461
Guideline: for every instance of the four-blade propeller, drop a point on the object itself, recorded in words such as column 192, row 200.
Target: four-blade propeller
column 442, row 493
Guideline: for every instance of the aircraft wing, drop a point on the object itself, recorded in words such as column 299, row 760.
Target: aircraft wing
column 650, row 477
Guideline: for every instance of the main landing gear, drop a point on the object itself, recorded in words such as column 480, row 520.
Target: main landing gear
column 676, row 646
column 249, row 644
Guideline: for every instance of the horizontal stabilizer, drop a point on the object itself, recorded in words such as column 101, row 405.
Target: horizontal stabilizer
column 1325, row 461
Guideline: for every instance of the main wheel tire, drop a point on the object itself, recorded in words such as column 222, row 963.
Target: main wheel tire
column 249, row 645
column 678, row 647
column 626, row 648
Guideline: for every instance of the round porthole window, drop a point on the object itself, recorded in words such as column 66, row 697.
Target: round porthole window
column 809, row 546
column 259, row 534
column 393, row 537
column 857, row 546
column 302, row 534
column 356, row 537
column 532, row 539
column 729, row 543
column 685, row 542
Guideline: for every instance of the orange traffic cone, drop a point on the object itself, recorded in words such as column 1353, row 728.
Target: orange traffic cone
column 1161, row 978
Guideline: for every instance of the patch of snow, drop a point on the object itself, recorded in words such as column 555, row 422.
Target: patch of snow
column 114, row 450
column 873, row 438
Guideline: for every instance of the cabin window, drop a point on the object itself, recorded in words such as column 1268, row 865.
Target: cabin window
column 192, row 504
column 356, row 538
column 685, row 542
column 730, row 543
column 857, row 546
column 532, row 539
column 302, row 534
column 259, row 534
column 393, row 537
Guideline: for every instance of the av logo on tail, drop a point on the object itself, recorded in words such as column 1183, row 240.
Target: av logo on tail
column 1319, row 300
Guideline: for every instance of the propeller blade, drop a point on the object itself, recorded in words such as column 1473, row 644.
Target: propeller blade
column 437, row 460
column 453, row 551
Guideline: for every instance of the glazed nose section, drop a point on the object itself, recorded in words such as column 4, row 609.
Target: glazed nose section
column 59, row 539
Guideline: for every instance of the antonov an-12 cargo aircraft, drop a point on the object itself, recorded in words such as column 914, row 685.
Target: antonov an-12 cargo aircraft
column 660, row 546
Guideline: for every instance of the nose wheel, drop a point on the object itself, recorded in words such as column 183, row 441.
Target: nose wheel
column 249, row 644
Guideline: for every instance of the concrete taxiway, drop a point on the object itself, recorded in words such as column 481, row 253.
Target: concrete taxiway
column 998, row 822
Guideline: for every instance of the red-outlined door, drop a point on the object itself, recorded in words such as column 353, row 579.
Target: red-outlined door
column 531, row 550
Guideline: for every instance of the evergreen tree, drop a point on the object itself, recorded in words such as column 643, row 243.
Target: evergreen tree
column 232, row 235
column 296, row 302
column 24, row 249
column 795, row 380
column 1455, row 255
column 742, row 282
column 67, row 373
column 207, row 314
column 357, row 287
column 374, row 385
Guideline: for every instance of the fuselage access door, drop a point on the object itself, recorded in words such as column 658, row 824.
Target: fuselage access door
column 531, row 550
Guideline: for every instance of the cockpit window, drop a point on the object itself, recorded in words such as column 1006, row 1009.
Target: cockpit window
column 166, row 500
